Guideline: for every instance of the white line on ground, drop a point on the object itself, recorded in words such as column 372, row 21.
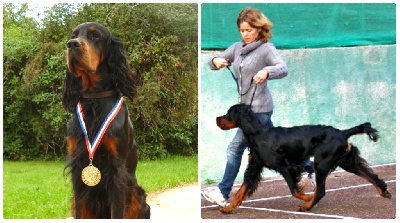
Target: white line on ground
column 305, row 213
column 299, row 213
column 278, row 178
column 330, row 190
column 286, row 196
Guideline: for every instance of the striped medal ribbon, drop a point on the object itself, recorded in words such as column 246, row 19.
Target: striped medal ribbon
column 91, row 175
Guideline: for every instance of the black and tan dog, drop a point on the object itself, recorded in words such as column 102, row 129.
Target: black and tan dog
column 102, row 151
column 284, row 150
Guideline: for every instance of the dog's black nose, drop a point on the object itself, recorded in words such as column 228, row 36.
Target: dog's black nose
column 73, row 43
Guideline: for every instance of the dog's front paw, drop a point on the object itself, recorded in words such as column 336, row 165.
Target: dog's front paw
column 304, row 207
column 226, row 210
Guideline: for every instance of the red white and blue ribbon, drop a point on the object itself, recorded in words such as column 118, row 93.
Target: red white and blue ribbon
column 91, row 147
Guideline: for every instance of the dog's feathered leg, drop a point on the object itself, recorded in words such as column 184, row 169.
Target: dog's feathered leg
column 237, row 200
column 252, row 178
column 356, row 164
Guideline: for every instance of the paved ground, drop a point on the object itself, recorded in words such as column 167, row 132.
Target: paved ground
column 178, row 203
column 347, row 196
column 181, row 203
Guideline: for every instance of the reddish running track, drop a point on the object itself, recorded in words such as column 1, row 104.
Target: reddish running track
column 347, row 196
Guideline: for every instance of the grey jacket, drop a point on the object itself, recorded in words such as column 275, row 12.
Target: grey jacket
column 247, row 60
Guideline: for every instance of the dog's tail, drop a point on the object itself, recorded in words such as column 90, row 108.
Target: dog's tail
column 363, row 128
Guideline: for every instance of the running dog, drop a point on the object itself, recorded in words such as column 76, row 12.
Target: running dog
column 285, row 149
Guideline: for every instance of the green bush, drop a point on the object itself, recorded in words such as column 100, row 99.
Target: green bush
column 161, row 45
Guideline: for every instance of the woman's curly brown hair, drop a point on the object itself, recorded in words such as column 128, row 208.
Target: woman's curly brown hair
column 256, row 19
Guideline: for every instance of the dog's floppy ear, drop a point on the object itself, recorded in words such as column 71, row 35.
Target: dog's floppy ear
column 247, row 120
column 121, row 72
column 71, row 91
column 248, row 124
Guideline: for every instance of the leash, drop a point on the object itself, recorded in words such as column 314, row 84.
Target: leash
column 237, row 86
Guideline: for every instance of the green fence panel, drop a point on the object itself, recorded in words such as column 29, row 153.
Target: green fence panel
column 310, row 25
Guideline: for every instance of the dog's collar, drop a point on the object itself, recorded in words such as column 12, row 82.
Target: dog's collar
column 102, row 94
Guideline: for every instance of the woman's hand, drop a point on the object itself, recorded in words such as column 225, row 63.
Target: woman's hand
column 261, row 76
column 220, row 62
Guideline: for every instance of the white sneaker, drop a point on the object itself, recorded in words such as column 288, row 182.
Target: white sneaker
column 307, row 179
column 214, row 195
column 303, row 182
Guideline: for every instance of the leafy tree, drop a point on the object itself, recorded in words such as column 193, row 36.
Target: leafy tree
column 19, row 46
column 161, row 44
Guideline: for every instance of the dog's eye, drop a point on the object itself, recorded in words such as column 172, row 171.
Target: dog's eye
column 94, row 35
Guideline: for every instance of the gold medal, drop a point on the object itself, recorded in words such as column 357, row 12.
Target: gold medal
column 91, row 175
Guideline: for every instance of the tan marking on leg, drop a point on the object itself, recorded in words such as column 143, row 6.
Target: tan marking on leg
column 237, row 200
column 307, row 205
column 111, row 144
column 349, row 146
column 302, row 196
column 71, row 144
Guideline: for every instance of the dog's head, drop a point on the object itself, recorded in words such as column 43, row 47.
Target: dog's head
column 96, row 62
column 87, row 47
column 239, row 116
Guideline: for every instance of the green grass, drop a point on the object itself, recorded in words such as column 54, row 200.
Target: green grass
column 39, row 190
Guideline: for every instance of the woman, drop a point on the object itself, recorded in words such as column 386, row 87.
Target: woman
column 255, row 60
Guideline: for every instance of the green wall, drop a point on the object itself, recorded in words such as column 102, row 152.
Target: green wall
column 311, row 25
column 342, row 87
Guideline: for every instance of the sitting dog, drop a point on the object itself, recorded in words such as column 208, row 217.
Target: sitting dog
column 284, row 150
column 102, row 151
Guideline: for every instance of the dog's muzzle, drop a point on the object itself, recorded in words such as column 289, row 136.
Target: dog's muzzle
column 224, row 124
